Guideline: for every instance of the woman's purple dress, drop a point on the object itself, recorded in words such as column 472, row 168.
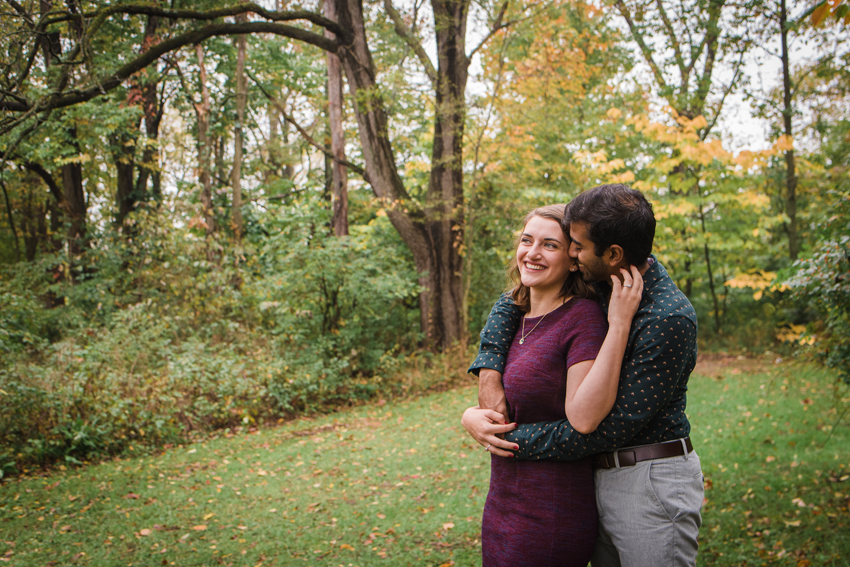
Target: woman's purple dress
column 543, row 513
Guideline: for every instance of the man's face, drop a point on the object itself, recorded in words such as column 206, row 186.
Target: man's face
column 593, row 268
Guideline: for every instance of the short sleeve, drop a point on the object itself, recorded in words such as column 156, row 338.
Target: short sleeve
column 586, row 336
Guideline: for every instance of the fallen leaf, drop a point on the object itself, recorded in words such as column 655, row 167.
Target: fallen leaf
column 770, row 458
column 199, row 528
column 448, row 525
column 346, row 546
column 145, row 532
column 131, row 496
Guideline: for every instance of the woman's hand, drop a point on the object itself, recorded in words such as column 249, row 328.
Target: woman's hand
column 484, row 425
column 625, row 297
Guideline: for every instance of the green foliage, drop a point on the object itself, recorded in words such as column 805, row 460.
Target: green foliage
column 155, row 340
column 822, row 279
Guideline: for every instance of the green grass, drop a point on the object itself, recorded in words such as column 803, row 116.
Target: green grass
column 401, row 484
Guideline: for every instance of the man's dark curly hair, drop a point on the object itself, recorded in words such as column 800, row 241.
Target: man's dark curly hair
column 615, row 214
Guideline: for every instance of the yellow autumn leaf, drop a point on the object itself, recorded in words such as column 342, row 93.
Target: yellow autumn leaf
column 346, row 546
column 784, row 143
column 614, row 113
column 199, row 528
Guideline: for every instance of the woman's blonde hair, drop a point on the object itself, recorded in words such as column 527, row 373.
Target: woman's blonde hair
column 573, row 286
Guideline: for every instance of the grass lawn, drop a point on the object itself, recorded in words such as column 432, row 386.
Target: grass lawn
column 400, row 484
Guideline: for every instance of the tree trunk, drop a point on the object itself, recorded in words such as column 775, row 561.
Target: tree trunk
column 124, row 157
column 787, row 114
column 241, row 99
column 11, row 219
column 707, row 256
column 204, row 145
column 432, row 234
column 74, row 201
column 339, row 173
column 445, row 188
column 152, row 109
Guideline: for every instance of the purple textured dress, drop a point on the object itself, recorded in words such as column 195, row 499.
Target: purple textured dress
column 543, row 513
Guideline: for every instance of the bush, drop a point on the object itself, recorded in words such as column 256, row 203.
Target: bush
column 178, row 343
column 822, row 279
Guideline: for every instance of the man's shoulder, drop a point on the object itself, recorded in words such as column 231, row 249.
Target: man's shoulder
column 665, row 300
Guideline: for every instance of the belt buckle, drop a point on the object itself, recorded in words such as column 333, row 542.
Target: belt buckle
column 626, row 459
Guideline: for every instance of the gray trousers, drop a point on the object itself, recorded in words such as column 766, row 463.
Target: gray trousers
column 649, row 514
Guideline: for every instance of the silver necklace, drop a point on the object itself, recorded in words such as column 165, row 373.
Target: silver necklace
column 522, row 335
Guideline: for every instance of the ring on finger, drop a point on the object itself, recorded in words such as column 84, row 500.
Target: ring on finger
column 627, row 285
column 487, row 448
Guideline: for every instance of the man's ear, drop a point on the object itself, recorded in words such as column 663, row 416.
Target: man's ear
column 616, row 255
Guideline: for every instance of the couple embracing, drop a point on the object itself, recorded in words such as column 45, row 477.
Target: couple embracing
column 591, row 455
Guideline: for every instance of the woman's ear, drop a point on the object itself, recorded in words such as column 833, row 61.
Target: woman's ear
column 616, row 255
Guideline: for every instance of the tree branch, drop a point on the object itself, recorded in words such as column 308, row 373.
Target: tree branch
column 674, row 41
column 647, row 52
column 59, row 100
column 39, row 170
column 412, row 41
column 286, row 116
column 711, row 36
column 205, row 15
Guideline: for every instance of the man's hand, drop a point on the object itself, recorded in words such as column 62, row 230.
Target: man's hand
column 491, row 393
column 484, row 426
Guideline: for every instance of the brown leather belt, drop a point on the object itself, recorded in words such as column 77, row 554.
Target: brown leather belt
column 630, row 456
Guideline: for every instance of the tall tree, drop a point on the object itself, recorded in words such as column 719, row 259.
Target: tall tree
column 241, row 100
column 787, row 116
column 339, row 173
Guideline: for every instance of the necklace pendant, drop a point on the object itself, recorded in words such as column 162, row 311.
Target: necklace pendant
column 521, row 341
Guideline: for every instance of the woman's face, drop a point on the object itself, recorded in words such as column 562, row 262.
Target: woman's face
column 543, row 255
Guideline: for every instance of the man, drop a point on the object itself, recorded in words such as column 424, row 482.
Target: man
column 649, row 485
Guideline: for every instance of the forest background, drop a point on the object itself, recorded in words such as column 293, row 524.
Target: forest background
column 221, row 214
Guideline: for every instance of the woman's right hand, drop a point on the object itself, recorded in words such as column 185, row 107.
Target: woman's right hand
column 625, row 297
column 484, row 425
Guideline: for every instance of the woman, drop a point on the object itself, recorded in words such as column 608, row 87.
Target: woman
column 561, row 364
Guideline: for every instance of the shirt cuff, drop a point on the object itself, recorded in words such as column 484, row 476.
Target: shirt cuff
column 488, row 359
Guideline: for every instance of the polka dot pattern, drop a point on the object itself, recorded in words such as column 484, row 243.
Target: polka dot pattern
column 650, row 406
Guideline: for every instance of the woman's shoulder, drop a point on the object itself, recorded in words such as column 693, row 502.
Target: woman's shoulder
column 577, row 311
column 589, row 306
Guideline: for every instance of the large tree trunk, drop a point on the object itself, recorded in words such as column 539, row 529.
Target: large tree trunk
column 339, row 173
column 445, row 188
column 433, row 234
column 787, row 114
column 202, row 111
column 241, row 100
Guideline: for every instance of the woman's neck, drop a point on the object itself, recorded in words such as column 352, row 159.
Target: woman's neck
column 542, row 302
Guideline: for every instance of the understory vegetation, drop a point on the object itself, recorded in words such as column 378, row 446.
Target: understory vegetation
column 400, row 483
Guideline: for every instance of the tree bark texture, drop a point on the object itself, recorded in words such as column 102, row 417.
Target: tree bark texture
column 202, row 110
column 339, row 173
column 241, row 99
column 787, row 115
column 74, row 202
